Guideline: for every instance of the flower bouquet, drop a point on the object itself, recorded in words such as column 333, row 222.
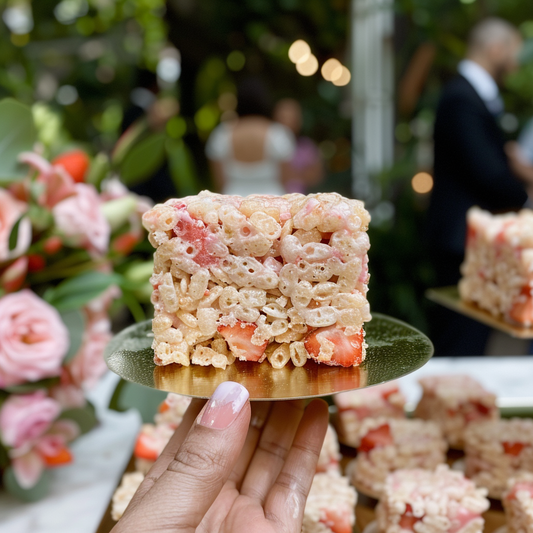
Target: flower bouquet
column 67, row 230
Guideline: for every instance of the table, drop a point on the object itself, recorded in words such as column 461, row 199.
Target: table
column 81, row 492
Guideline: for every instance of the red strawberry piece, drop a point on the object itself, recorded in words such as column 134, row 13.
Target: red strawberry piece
column 513, row 448
column 522, row 310
column 75, row 162
column 376, row 438
column 338, row 520
column 385, row 394
column 62, row 457
column 470, row 235
column 408, row 520
column 518, row 487
column 146, row 448
column 239, row 339
column 348, row 350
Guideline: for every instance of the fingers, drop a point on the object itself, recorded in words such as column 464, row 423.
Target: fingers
column 272, row 450
column 180, row 497
column 260, row 412
column 169, row 452
column 285, row 502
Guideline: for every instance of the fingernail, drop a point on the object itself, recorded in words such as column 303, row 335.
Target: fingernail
column 224, row 405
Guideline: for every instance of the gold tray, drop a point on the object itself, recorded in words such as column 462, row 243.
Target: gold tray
column 394, row 350
column 449, row 297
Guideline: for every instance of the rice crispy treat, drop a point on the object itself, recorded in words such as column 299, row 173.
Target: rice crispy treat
column 389, row 444
column 262, row 277
column 498, row 450
column 330, row 456
column 330, row 505
column 153, row 438
column 518, row 503
column 353, row 407
column 498, row 267
column 124, row 494
column 425, row 501
column 454, row 401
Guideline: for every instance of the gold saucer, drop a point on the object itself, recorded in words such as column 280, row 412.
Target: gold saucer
column 394, row 350
column 449, row 297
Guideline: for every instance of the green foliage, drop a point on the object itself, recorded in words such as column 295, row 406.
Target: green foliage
column 73, row 293
column 26, row 388
column 144, row 160
column 84, row 417
column 75, row 322
column 17, row 134
column 33, row 494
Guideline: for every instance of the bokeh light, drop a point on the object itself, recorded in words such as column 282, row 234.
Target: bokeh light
column 67, row 95
column 235, row 60
column 169, row 69
column 422, row 182
column 308, row 67
column 299, row 52
column 328, row 67
column 341, row 76
column 227, row 102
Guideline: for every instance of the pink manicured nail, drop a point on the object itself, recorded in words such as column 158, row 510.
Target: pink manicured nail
column 224, row 406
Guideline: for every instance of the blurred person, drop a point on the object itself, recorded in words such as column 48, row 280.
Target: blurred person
column 232, row 467
column 471, row 168
column 251, row 154
column 306, row 163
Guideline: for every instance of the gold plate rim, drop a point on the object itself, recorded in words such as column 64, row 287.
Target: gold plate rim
column 395, row 350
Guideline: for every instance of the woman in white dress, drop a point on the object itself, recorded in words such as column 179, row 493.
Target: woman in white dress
column 251, row 154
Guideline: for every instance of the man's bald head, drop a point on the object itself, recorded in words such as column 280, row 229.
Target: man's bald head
column 495, row 44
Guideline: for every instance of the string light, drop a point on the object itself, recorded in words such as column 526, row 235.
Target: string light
column 328, row 67
column 422, row 182
column 341, row 76
column 299, row 52
column 308, row 67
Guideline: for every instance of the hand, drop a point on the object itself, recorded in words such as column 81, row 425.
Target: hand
column 222, row 474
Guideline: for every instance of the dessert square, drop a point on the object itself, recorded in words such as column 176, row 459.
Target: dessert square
column 122, row 497
column 518, row 504
column 498, row 267
column 259, row 278
column 330, row 505
column 330, row 455
column 353, row 407
column 453, row 402
column 498, row 450
column 431, row 501
column 386, row 445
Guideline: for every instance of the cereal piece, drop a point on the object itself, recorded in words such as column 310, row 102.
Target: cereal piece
column 263, row 270
column 454, row 401
column 431, row 501
column 298, row 353
column 497, row 450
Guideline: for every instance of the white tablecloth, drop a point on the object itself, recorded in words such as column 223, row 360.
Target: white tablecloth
column 81, row 492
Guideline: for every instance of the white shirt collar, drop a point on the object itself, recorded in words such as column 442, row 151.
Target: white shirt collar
column 480, row 79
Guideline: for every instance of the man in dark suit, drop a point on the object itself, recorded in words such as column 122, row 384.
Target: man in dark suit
column 470, row 168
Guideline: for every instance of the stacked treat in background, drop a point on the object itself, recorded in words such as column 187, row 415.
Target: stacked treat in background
column 498, row 267
column 262, row 277
column 400, row 461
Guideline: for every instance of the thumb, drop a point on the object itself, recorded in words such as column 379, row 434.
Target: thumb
column 183, row 494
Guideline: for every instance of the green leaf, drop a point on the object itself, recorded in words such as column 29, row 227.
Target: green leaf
column 4, row 457
column 17, row 134
column 14, row 235
column 75, row 292
column 99, row 169
column 127, row 140
column 143, row 159
column 75, row 322
column 35, row 493
column 26, row 388
column 129, row 395
column 182, row 168
column 85, row 417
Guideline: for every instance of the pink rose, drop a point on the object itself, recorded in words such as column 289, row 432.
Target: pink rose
column 57, row 181
column 10, row 211
column 25, row 417
column 88, row 365
column 81, row 220
column 33, row 339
